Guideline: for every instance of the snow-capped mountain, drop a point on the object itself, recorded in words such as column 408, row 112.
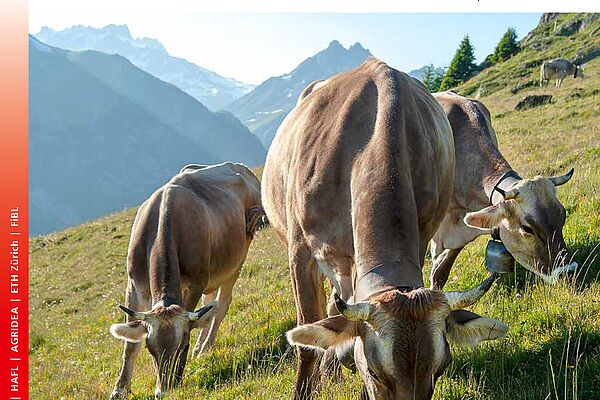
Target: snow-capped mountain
column 208, row 87
column 103, row 135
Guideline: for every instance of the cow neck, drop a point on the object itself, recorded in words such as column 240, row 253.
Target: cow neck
column 165, row 285
column 384, row 277
column 507, row 180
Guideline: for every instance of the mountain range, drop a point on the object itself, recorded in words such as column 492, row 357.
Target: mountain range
column 103, row 135
column 263, row 109
column 418, row 73
column 208, row 87
column 105, row 131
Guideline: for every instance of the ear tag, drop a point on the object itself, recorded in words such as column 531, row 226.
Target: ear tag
column 497, row 258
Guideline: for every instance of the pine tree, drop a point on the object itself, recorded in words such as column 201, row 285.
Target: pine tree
column 507, row 46
column 437, row 82
column 429, row 76
column 461, row 67
column 432, row 79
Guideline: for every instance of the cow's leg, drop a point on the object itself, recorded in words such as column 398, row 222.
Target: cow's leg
column 130, row 350
column 191, row 297
column 441, row 265
column 206, row 298
column 224, row 297
column 310, row 297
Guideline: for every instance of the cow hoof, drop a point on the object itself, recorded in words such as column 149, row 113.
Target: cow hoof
column 119, row 394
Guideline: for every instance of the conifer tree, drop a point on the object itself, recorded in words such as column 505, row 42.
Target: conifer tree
column 506, row 47
column 432, row 78
column 461, row 67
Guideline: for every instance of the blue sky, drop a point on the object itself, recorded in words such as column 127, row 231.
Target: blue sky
column 253, row 47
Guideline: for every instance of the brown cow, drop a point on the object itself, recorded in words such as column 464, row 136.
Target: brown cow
column 528, row 218
column 189, row 240
column 356, row 182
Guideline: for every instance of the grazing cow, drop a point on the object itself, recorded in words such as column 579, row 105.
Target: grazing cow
column 558, row 69
column 492, row 198
column 356, row 182
column 188, row 240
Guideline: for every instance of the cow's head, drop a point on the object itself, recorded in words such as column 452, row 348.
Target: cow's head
column 530, row 222
column 167, row 334
column 401, row 345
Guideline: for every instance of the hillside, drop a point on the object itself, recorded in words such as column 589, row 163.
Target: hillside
column 552, row 350
column 208, row 87
column 113, row 133
column 263, row 109
column 575, row 37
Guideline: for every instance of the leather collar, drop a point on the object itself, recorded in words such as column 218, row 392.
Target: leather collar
column 496, row 233
column 510, row 174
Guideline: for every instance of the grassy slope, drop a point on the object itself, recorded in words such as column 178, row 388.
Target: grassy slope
column 78, row 278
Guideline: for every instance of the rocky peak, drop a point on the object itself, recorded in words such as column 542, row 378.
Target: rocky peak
column 118, row 30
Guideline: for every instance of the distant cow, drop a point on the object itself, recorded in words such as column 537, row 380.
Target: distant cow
column 493, row 199
column 188, row 241
column 558, row 69
column 356, row 182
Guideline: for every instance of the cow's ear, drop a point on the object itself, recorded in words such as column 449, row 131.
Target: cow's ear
column 134, row 331
column 486, row 218
column 465, row 328
column 323, row 334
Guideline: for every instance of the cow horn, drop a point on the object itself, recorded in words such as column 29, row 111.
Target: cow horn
column 353, row 312
column 458, row 300
column 196, row 315
column 562, row 179
column 133, row 314
column 511, row 194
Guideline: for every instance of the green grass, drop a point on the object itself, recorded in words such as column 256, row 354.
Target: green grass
column 77, row 279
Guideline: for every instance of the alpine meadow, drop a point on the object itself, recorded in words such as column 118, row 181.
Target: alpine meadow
column 552, row 351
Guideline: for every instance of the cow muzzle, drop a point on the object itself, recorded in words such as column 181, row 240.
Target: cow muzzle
column 568, row 271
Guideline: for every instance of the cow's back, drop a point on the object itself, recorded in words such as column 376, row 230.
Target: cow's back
column 367, row 147
column 198, row 218
column 475, row 141
column 557, row 68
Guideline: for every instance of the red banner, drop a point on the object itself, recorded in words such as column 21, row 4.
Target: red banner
column 13, row 201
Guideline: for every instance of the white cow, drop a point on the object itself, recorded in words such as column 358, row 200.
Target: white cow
column 558, row 69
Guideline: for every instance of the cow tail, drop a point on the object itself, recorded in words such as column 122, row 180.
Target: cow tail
column 255, row 219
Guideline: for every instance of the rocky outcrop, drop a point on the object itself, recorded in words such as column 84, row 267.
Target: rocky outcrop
column 547, row 17
column 533, row 101
column 584, row 57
